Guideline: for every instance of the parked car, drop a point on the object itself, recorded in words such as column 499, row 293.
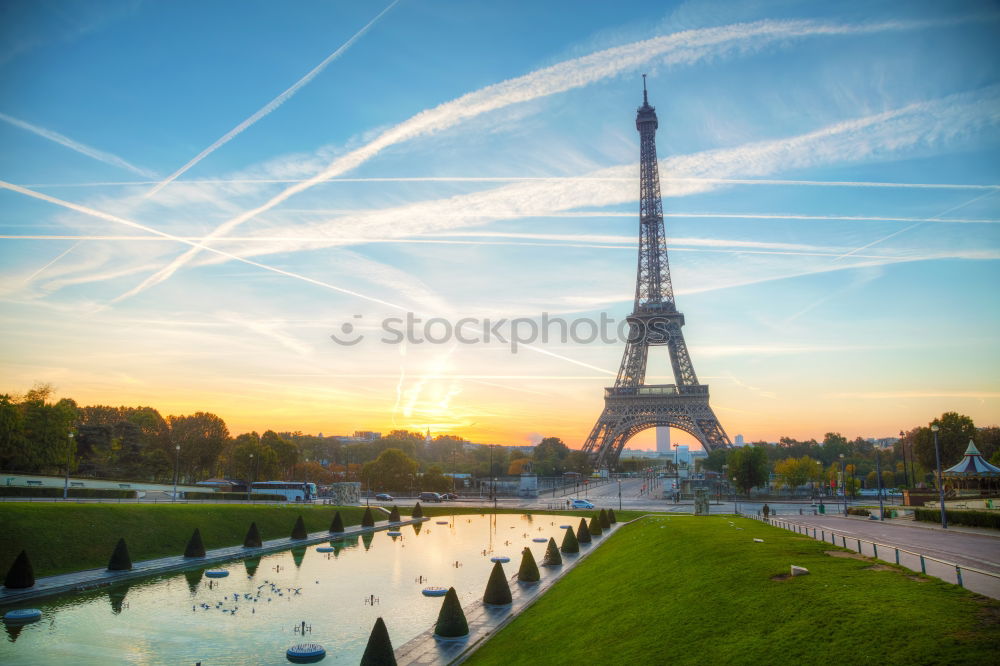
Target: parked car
column 385, row 497
column 581, row 504
column 429, row 497
column 449, row 496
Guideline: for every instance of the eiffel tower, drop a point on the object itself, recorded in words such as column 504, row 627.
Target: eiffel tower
column 632, row 405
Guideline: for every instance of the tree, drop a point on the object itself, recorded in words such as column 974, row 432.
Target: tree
column 796, row 472
column 748, row 465
column 528, row 572
column 13, row 444
column 517, row 466
column 312, row 471
column 378, row 652
column 497, row 588
column 201, row 437
column 550, row 456
column 392, row 470
column 451, row 622
column 195, row 546
column 716, row 459
column 435, row 481
column 287, row 452
column 955, row 432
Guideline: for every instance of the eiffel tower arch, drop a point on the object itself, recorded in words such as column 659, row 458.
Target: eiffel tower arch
column 631, row 405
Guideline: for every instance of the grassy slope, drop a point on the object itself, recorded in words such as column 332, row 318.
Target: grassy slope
column 61, row 538
column 695, row 590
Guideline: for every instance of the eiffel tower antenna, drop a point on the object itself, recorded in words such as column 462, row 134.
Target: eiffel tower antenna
column 631, row 405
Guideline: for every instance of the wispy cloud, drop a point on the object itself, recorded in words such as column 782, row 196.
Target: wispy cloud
column 897, row 395
column 83, row 149
column 682, row 48
column 273, row 104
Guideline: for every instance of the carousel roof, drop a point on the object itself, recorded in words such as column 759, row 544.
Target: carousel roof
column 972, row 464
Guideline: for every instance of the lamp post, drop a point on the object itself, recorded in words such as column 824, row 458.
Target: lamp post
column 902, row 449
column 937, row 455
column 69, row 462
column 619, row 493
column 878, row 483
column 736, row 500
column 250, row 485
column 177, row 465
column 843, row 484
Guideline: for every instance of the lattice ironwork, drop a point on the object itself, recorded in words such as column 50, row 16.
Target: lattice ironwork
column 632, row 406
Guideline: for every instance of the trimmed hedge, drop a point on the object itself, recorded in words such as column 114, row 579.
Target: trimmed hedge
column 528, row 573
column 256, row 497
column 451, row 622
column 595, row 526
column 854, row 511
column 583, row 532
column 605, row 520
column 394, row 515
column 379, row 649
column 337, row 525
column 497, row 588
column 20, row 575
column 417, row 511
column 368, row 520
column 299, row 530
column 570, row 544
column 252, row 539
column 120, row 560
column 195, row 547
column 552, row 557
column 106, row 493
column 969, row 518
column 611, row 516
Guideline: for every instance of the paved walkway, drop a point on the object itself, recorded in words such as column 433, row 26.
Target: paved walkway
column 484, row 621
column 94, row 578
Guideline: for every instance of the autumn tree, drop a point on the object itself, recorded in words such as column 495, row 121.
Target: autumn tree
column 748, row 465
column 393, row 470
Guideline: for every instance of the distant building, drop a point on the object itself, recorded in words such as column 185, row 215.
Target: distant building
column 662, row 439
column 367, row 435
column 739, row 441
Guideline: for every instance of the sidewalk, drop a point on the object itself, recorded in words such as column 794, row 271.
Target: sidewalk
column 95, row 578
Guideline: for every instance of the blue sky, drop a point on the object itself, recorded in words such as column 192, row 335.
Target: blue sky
column 830, row 181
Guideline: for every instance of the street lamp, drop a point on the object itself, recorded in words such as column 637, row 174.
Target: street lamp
column 250, row 485
column 902, row 449
column 843, row 484
column 878, row 483
column 69, row 460
column 937, row 454
column 736, row 500
column 177, row 465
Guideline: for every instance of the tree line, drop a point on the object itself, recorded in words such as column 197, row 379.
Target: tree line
column 910, row 462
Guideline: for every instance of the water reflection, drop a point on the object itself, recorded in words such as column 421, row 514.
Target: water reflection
column 193, row 577
column 180, row 618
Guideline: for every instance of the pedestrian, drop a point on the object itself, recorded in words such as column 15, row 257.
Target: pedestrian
column 767, row 510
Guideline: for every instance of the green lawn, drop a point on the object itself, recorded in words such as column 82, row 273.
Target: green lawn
column 694, row 590
column 69, row 537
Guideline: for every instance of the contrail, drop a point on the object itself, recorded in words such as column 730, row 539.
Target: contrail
column 913, row 226
column 678, row 48
column 61, row 255
column 518, row 179
column 273, row 104
column 326, row 285
column 83, row 149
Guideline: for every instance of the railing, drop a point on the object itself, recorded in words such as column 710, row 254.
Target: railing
column 655, row 389
column 984, row 582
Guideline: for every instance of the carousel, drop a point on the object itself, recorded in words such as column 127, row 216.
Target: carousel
column 973, row 475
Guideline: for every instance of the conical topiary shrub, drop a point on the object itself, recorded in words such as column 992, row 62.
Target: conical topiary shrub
column 394, row 515
column 252, row 539
column 611, row 516
column 337, row 524
column 299, row 531
column 379, row 649
column 583, row 532
column 367, row 520
column 570, row 543
column 528, row 573
column 497, row 589
column 21, row 574
column 605, row 521
column 595, row 526
column 552, row 557
column 195, row 547
column 451, row 622
column 120, row 560
column 417, row 511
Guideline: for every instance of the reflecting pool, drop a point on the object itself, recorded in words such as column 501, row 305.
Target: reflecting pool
column 257, row 612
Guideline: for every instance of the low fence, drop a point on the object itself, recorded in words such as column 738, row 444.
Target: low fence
column 983, row 582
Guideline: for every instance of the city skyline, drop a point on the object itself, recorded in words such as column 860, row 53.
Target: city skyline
column 193, row 208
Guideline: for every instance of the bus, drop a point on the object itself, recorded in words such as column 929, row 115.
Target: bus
column 292, row 491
